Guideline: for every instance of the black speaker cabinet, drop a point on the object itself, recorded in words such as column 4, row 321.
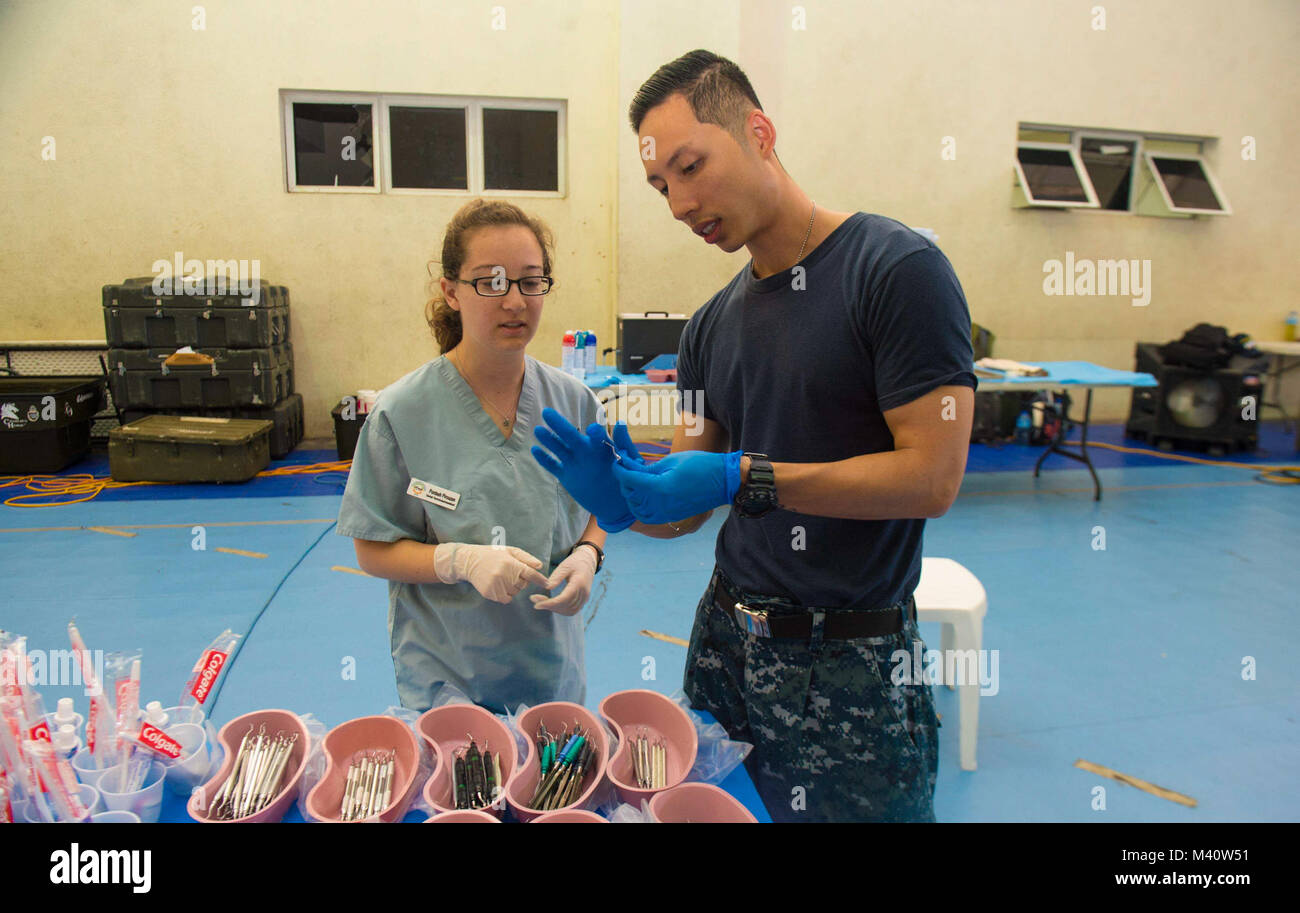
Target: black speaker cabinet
column 1205, row 409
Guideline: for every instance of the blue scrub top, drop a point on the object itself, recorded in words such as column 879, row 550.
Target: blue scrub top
column 429, row 427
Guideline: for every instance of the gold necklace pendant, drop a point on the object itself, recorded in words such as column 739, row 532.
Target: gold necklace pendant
column 483, row 400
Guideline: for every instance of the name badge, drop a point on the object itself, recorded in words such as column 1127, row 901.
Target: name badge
column 433, row 494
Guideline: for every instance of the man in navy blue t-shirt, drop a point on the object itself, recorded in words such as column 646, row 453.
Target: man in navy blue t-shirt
column 830, row 389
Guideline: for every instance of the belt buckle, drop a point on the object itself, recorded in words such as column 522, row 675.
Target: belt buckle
column 753, row 620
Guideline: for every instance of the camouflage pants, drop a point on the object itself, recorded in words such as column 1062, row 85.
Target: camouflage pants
column 834, row 738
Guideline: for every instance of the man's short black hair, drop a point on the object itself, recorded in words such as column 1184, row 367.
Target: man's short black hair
column 717, row 90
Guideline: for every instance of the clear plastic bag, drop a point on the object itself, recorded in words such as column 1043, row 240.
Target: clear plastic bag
column 717, row 755
column 313, row 768
column 207, row 670
column 623, row 813
column 447, row 693
column 521, row 740
column 411, row 718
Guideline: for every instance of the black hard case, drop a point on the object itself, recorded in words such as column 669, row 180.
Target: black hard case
column 237, row 377
column 136, row 317
column 32, row 440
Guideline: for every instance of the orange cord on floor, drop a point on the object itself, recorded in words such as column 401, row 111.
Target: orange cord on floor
column 78, row 488
column 1265, row 471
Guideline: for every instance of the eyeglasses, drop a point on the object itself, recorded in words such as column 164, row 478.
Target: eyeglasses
column 499, row 286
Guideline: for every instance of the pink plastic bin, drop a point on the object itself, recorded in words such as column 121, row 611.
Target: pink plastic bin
column 698, row 803
column 464, row 816
column 629, row 712
column 230, row 736
column 366, row 733
column 661, row 375
column 570, row 816
column 447, row 729
column 556, row 715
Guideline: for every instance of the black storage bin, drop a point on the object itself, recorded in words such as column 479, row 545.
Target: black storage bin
column 347, row 431
column 217, row 327
column 995, row 417
column 45, row 421
column 140, row 379
column 286, row 419
column 981, row 342
column 139, row 293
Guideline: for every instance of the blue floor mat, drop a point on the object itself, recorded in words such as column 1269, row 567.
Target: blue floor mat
column 1132, row 656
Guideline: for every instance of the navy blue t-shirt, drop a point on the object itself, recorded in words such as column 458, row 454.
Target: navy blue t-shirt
column 805, row 375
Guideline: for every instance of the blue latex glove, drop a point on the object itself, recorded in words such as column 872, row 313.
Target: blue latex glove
column 680, row 485
column 582, row 463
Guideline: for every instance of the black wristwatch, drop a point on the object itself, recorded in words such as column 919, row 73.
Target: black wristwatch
column 600, row 554
column 757, row 495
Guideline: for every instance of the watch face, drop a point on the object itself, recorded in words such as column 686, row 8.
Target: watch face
column 756, row 502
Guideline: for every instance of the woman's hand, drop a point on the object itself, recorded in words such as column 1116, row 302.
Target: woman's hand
column 578, row 569
column 497, row 572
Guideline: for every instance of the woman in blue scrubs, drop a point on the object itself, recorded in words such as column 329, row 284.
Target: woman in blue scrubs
column 444, row 501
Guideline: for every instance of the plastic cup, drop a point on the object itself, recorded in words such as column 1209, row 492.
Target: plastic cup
column 191, row 768
column 84, row 767
column 146, row 803
column 89, row 798
column 115, row 818
column 178, row 714
column 77, row 722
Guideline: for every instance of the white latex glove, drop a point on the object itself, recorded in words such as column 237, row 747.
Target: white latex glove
column 497, row 572
column 579, row 569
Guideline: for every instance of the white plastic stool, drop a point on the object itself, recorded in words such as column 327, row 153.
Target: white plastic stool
column 950, row 594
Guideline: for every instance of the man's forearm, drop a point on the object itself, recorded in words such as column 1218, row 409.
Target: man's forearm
column 672, row 530
column 876, row 486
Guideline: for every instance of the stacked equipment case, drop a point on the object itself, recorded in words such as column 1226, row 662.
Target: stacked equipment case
column 243, row 362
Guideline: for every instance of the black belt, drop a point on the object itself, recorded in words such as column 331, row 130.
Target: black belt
column 840, row 624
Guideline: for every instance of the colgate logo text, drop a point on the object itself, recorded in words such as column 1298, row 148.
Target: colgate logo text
column 212, row 664
column 159, row 741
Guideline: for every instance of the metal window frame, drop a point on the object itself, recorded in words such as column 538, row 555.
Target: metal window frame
column 1150, row 158
column 380, row 105
column 1072, row 149
column 1137, row 139
column 560, row 107
column 464, row 102
column 288, row 98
